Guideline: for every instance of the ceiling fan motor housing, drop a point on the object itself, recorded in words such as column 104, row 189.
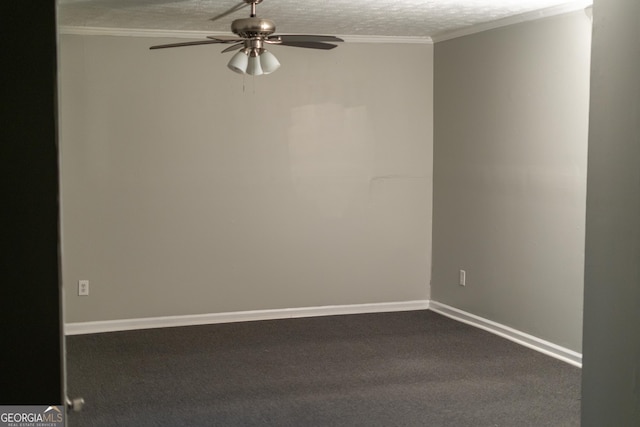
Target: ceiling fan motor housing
column 253, row 27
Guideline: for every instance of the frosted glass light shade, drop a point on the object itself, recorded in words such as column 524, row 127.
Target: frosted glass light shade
column 239, row 62
column 269, row 62
column 253, row 67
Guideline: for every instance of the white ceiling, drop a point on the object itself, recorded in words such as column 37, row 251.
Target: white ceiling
column 381, row 18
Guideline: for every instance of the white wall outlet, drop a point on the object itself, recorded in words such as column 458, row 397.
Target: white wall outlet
column 462, row 278
column 83, row 287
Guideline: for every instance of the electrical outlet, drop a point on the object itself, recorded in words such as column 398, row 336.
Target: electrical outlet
column 83, row 287
column 463, row 278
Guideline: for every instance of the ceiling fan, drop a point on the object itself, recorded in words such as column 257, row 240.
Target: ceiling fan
column 252, row 34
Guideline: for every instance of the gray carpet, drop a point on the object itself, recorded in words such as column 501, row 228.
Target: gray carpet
column 386, row 369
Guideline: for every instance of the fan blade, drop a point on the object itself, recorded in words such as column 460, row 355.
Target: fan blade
column 308, row 45
column 233, row 47
column 306, row 38
column 226, row 39
column 229, row 11
column 163, row 46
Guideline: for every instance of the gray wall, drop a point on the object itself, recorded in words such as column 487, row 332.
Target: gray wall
column 510, row 147
column 188, row 190
column 611, row 373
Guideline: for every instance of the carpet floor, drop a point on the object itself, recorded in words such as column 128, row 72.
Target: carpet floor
column 414, row 368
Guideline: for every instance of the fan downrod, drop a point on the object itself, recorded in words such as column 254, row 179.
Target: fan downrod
column 253, row 4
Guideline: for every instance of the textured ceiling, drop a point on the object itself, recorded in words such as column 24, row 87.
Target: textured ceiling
column 394, row 18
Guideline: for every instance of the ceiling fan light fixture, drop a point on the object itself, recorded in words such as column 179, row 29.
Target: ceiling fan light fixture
column 254, row 68
column 268, row 62
column 239, row 62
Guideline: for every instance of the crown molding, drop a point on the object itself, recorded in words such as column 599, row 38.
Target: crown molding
column 387, row 39
column 135, row 32
column 517, row 19
column 183, row 34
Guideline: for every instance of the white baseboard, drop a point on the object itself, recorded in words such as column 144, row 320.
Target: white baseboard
column 514, row 335
column 238, row 316
column 511, row 334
